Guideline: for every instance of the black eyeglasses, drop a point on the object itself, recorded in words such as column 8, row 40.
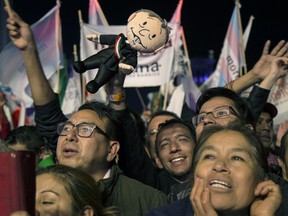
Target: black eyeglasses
column 83, row 129
column 219, row 112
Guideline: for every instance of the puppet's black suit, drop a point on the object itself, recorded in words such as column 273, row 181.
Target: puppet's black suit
column 107, row 60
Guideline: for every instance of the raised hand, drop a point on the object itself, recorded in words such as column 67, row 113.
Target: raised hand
column 19, row 31
column 200, row 199
column 263, row 66
column 268, row 201
column 92, row 37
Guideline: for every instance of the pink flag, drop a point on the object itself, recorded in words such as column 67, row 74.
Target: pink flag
column 96, row 16
column 229, row 63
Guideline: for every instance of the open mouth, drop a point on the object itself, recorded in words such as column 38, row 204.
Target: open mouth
column 220, row 184
column 178, row 159
column 69, row 152
column 137, row 39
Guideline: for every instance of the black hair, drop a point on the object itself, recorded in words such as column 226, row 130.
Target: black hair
column 240, row 103
column 27, row 135
column 162, row 113
column 107, row 112
column 258, row 150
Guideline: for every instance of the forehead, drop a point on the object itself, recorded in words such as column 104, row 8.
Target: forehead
column 157, row 120
column 265, row 116
column 173, row 129
column 48, row 182
column 89, row 116
column 216, row 102
column 143, row 15
column 228, row 140
column 85, row 114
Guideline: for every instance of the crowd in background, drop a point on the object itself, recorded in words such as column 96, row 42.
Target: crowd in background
column 223, row 159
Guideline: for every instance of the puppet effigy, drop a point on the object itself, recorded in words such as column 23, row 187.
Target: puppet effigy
column 146, row 32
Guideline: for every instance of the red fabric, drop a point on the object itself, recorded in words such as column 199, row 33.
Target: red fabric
column 4, row 124
column 17, row 182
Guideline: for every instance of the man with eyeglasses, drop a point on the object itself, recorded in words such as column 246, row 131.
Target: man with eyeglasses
column 219, row 106
column 45, row 99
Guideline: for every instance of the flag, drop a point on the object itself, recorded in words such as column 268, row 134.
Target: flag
column 60, row 78
column 176, row 101
column 229, row 62
column 279, row 97
column 13, row 110
column 247, row 31
column 96, row 16
column 72, row 98
column 182, row 71
column 11, row 63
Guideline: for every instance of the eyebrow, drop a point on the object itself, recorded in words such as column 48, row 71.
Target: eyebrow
column 50, row 191
column 236, row 149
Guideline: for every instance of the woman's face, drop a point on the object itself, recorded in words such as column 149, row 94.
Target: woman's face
column 228, row 169
column 51, row 197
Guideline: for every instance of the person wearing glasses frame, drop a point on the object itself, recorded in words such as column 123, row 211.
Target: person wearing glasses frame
column 89, row 140
column 45, row 99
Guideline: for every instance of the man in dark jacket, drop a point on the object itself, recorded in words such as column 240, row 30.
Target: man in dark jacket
column 88, row 140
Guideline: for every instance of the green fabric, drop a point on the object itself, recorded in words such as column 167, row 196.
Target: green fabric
column 48, row 161
column 132, row 197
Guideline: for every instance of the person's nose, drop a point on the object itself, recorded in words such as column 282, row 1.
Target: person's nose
column 220, row 166
column 209, row 120
column 174, row 147
column 72, row 135
column 266, row 127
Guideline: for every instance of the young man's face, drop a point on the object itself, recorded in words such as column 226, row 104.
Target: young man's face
column 152, row 132
column 264, row 129
column 175, row 147
column 90, row 154
column 210, row 120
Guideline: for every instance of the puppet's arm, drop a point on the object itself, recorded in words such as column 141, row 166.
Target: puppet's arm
column 125, row 68
column 93, row 37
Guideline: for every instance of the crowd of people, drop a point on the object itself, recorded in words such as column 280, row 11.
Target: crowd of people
column 225, row 160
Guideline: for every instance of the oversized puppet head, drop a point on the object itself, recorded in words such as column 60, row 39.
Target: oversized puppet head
column 147, row 32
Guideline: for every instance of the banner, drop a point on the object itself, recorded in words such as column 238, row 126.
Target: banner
column 152, row 69
column 12, row 67
column 279, row 97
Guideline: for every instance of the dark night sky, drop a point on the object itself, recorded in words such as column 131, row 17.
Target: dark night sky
column 205, row 22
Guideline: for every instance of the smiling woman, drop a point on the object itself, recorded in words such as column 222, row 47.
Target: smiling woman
column 230, row 177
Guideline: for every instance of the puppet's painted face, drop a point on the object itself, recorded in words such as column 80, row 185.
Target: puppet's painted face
column 145, row 33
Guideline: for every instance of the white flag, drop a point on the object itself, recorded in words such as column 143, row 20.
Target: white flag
column 11, row 63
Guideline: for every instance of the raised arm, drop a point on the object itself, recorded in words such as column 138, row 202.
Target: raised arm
column 48, row 112
column 22, row 37
column 262, row 67
column 134, row 160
